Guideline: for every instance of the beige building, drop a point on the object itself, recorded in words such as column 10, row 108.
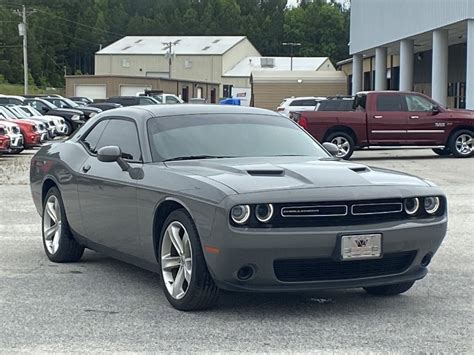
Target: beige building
column 199, row 58
column 268, row 90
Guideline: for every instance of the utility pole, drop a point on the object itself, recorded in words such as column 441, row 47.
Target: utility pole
column 169, row 54
column 292, row 45
column 23, row 31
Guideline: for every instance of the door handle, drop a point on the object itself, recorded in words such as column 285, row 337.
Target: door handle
column 378, row 117
column 86, row 168
column 414, row 117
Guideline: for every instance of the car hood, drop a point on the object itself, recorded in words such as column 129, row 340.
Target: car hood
column 67, row 111
column 458, row 113
column 281, row 173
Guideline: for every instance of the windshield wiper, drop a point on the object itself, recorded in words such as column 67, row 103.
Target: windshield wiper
column 196, row 157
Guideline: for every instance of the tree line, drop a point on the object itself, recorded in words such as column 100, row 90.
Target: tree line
column 63, row 35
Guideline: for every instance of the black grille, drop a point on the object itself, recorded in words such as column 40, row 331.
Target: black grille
column 15, row 130
column 301, row 270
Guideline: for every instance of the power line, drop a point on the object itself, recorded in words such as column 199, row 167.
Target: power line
column 62, row 34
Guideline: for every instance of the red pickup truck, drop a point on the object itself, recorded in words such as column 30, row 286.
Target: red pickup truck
column 393, row 119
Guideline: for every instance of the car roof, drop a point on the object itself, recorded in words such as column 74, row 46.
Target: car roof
column 148, row 111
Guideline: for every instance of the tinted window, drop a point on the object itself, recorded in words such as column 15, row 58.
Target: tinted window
column 230, row 135
column 335, row 105
column 145, row 101
column 123, row 134
column 389, row 102
column 92, row 138
column 303, row 103
column 38, row 105
column 417, row 103
column 3, row 101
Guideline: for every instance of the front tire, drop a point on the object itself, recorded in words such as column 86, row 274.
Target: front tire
column 69, row 129
column 461, row 144
column 185, row 279
column 389, row 290
column 344, row 142
column 58, row 241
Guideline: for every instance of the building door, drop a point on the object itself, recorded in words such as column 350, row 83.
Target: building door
column 213, row 96
column 185, row 93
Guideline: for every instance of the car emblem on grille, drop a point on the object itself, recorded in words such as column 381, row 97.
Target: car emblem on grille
column 361, row 242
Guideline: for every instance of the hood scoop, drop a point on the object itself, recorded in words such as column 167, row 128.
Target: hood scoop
column 361, row 169
column 266, row 172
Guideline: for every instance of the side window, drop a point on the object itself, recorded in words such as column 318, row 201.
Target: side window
column 171, row 100
column 92, row 138
column 417, row 103
column 3, row 101
column 389, row 102
column 145, row 101
column 121, row 133
column 127, row 101
column 308, row 102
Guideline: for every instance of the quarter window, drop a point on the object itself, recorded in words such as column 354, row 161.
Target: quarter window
column 390, row 102
column 417, row 103
column 121, row 133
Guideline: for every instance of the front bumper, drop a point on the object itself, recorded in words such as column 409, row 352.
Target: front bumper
column 259, row 249
column 62, row 129
column 16, row 141
column 4, row 144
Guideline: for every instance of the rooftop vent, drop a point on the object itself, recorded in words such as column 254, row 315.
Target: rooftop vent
column 216, row 41
column 206, row 48
column 267, row 62
column 125, row 48
column 138, row 41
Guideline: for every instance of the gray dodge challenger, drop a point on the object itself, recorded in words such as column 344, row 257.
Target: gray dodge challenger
column 233, row 198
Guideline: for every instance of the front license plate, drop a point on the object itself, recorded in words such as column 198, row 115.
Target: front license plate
column 362, row 246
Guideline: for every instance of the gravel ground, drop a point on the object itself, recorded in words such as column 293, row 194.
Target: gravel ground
column 102, row 305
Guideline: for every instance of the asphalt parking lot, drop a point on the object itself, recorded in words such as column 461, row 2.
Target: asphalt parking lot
column 101, row 304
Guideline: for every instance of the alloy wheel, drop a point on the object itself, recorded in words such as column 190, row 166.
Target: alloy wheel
column 464, row 144
column 52, row 222
column 343, row 146
column 176, row 260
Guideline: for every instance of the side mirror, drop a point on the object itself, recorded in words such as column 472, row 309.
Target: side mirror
column 109, row 154
column 331, row 148
column 435, row 109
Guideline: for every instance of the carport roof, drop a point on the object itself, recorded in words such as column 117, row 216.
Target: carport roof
column 187, row 45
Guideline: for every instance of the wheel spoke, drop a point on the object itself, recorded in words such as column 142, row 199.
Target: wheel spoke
column 178, row 283
column 50, row 232
column 187, row 269
column 176, row 239
column 170, row 262
column 55, row 244
column 51, row 210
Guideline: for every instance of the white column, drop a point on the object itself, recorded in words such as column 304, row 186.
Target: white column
column 439, row 77
column 357, row 73
column 381, row 68
column 470, row 66
column 406, row 65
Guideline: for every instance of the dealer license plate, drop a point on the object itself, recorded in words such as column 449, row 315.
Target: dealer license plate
column 362, row 246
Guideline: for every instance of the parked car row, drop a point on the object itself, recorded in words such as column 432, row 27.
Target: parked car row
column 385, row 119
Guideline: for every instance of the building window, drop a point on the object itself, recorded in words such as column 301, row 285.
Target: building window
column 125, row 63
column 188, row 64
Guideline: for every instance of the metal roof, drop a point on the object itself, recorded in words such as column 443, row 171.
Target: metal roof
column 183, row 45
column 299, row 76
column 249, row 64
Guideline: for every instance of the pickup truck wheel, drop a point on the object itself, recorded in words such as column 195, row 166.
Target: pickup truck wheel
column 58, row 241
column 442, row 151
column 344, row 143
column 389, row 290
column 461, row 144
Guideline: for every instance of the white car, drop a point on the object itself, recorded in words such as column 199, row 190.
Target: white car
column 168, row 99
column 297, row 104
column 59, row 123
column 12, row 130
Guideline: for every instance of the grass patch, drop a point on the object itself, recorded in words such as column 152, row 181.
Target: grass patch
column 17, row 89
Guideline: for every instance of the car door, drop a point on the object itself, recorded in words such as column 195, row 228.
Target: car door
column 108, row 195
column 387, row 119
column 423, row 126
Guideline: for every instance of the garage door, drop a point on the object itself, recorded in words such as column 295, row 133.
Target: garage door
column 91, row 91
column 132, row 90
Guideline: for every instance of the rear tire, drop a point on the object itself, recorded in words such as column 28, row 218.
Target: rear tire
column 442, row 151
column 344, row 142
column 58, row 241
column 389, row 290
column 185, row 279
column 461, row 144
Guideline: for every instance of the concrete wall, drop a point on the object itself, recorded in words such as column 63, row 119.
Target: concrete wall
column 378, row 22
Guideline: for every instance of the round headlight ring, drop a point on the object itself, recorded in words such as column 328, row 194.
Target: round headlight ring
column 240, row 214
column 264, row 212
column 412, row 210
column 432, row 204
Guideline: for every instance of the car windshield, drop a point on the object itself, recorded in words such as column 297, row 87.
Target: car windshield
column 70, row 102
column 31, row 111
column 7, row 113
column 207, row 136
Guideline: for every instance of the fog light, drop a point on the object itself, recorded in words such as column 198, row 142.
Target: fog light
column 412, row 205
column 264, row 212
column 240, row 214
column 431, row 204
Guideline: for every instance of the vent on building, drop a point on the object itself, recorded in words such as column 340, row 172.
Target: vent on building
column 267, row 62
column 125, row 48
column 138, row 41
column 216, row 41
column 206, row 48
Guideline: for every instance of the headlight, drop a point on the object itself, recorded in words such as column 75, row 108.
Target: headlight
column 240, row 214
column 412, row 205
column 75, row 118
column 34, row 128
column 264, row 212
column 432, row 204
column 92, row 114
